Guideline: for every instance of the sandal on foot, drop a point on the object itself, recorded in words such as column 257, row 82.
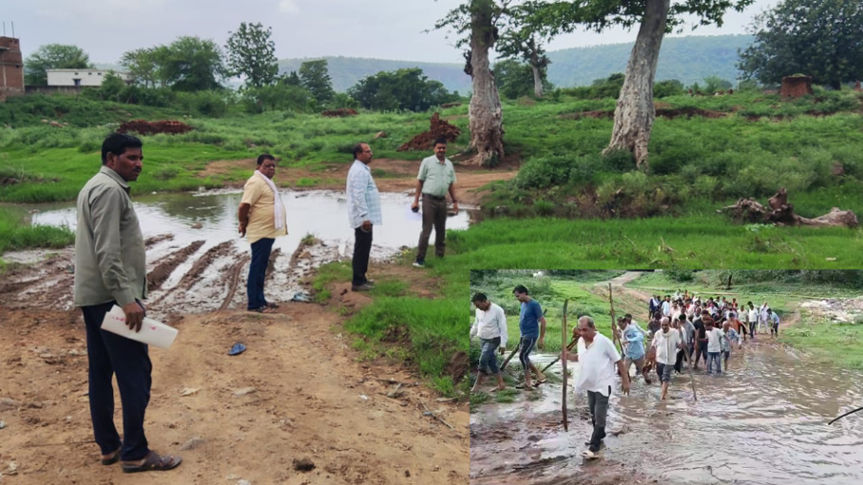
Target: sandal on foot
column 154, row 462
column 111, row 458
column 273, row 305
column 263, row 309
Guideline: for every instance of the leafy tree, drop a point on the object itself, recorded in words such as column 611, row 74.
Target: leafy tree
column 251, row 53
column 144, row 65
column 404, row 89
column 821, row 38
column 316, row 78
column 523, row 40
column 713, row 84
column 283, row 95
column 53, row 56
column 635, row 113
column 191, row 64
column 515, row 79
column 112, row 87
column 671, row 87
column 477, row 23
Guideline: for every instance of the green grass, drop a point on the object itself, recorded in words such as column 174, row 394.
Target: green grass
column 839, row 344
column 326, row 274
column 660, row 242
column 16, row 232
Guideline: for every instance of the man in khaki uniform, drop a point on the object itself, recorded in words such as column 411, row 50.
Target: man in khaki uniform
column 262, row 220
column 436, row 177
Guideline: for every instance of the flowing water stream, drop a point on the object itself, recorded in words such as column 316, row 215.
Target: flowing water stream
column 763, row 422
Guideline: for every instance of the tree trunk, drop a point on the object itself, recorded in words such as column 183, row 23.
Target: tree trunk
column 534, row 66
column 634, row 114
column 486, row 117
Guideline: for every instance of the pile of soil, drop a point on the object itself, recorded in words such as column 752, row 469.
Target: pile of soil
column 145, row 127
column 425, row 141
column 339, row 113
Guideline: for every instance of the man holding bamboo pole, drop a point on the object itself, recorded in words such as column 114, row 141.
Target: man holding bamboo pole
column 599, row 363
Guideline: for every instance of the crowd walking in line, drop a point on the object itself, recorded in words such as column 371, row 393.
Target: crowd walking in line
column 683, row 330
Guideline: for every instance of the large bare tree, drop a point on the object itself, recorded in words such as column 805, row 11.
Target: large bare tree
column 635, row 113
column 476, row 22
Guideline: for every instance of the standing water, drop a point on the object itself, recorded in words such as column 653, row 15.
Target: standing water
column 197, row 261
column 763, row 422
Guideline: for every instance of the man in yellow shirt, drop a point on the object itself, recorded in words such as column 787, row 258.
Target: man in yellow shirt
column 262, row 219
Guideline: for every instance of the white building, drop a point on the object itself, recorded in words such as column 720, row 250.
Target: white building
column 81, row 77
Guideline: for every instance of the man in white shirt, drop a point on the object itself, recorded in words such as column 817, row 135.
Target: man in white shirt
column 490, row 326
column 599, row 361
column 753, row 319
column 364, row 211
column 714, row 346
column 666, row 342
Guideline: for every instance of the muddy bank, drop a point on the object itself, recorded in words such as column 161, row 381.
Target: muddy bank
column 298, row 394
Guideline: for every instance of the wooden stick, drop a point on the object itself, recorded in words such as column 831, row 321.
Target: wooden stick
column 430, row 413
column 568, row 347
column 503, row 366
column 846, row 414
column 563, row 363
column 613, row 321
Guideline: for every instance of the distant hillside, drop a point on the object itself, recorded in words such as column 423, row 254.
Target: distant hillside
column 687, row 59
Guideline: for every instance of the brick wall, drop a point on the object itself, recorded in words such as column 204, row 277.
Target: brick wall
column 11, row 68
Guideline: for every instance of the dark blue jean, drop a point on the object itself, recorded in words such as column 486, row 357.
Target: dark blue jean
column 110, row 354
column 258, row 272
column 362, row 248
column 488, row 357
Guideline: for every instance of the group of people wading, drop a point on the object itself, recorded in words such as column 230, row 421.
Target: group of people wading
column 683, row 328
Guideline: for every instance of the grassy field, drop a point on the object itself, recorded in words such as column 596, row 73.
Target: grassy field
column 17, row 233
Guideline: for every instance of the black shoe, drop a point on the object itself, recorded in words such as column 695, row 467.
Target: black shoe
column 362, row 287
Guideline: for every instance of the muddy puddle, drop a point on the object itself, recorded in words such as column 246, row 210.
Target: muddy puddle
column 763, row 422
column 196, row 260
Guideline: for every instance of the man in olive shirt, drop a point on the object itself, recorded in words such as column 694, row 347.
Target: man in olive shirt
column 436, row 177
column 110, row 268
column 262, row 219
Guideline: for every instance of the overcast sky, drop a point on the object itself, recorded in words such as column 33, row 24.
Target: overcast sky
column 384, row 29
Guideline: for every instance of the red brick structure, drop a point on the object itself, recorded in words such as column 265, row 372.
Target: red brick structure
column 11, row 68
column 796, row 86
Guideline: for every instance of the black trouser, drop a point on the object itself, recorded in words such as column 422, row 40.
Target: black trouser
column 362, row 248
column 109, row 354
column 434, row 215
column 678, row 364
column 598, row 405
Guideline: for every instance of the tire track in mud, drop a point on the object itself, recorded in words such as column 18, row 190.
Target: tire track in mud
column 169, row 263
column 193, row 276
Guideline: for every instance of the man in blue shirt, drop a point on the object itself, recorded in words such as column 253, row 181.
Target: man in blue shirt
column 531, row 324
column 633, row 345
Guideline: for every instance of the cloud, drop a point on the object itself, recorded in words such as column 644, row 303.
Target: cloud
column 288, row 6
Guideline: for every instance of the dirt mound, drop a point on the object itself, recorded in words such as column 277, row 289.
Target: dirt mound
column 796, row 86
column 339, row 113
column 145, row 127
column 458, row 366
column 425, row 141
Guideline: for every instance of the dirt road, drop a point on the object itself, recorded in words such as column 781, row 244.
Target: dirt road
column 299, row 391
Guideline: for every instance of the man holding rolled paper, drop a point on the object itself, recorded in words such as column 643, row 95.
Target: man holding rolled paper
column 110, row 268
